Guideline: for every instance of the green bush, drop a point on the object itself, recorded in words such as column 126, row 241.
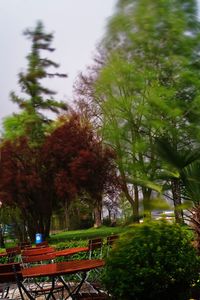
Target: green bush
column 152, row 261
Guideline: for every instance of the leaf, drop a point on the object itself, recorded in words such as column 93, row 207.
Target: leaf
column 146, row 183
column 157, row 204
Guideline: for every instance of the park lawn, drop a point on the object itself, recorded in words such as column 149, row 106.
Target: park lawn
column 73, row 238
column 85, row 234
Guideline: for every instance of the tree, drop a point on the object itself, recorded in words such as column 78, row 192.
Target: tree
column 147, row 88
column 24, row 184
column 37, row 98
column 80, row 164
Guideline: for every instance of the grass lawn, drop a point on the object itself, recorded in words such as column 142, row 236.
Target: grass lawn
column 85, row 234
column 74, row 238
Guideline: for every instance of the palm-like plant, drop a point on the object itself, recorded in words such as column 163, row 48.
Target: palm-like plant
column 191, row 191
column 193, row 217
column 177, row 170
column 187, row 165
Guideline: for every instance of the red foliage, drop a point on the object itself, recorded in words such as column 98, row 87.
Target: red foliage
column 71, row 161
column 23, row 185
column 18, row 173
column 78, row 160
column 65, row 188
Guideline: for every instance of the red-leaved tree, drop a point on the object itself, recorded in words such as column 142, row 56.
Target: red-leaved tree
column 23, row 185
column 79, row 163
column 71, row 162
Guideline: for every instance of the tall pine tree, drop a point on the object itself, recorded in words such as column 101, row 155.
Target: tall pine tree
column 31, row 121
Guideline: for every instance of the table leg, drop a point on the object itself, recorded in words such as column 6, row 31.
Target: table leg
column 75, row 291
column 51, row 294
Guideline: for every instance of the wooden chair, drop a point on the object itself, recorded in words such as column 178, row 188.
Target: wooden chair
column 24, row 245
column 10, row 274
column 13, row 254
column 95, row 247
column 95, row 251
column 40, row 287
column 38, row 259
column 37, row 256
column 42, row 244
column 110, row 241
column 37, row 251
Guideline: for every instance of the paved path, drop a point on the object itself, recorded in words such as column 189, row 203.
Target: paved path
column 14, row 292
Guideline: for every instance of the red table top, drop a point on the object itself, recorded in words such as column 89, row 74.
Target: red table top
column 63, row 268
column 70, row 251
column 37, row 251
column 3, row 254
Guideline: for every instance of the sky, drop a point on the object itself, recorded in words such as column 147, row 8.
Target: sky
column 78, row 26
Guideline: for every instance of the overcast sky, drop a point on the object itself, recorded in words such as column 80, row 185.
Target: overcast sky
column 78, row 26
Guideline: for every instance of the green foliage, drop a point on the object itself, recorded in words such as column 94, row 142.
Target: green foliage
column 148, row 88
column 191, row 180
column 107, row 221
column 13, row 128
column 153, row 261
column 71, row 244
column 186, row 165
column 35, row 97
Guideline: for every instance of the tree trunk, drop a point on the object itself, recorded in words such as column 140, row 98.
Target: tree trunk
column 31, row 230
column 135, row 205
column 109, row 215
column 176, row 192
column 66, row 215
column 97, row 217
column 2, row 244
column 133, row 202
column 47, row 227
column 146, row 202
column 98, row 211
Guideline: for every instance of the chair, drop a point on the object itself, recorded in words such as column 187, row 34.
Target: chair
column 24, row 245
column 37, row 251
column 95, row 251
column 110, row 241
column 46, row 255
column 10, row 274
column 95, row 247
column 13, row 254
column 42, row 244
column 39, row 287
column 35, row 259
column 37, row 256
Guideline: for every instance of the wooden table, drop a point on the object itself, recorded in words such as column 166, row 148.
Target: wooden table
column 57, row 270
column 70, row 251
column 29, row 258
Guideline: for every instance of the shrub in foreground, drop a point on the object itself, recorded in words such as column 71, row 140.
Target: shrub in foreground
column 153, row 261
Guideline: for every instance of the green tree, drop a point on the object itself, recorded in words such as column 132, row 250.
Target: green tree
column 148, row 88
column 36, row 98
